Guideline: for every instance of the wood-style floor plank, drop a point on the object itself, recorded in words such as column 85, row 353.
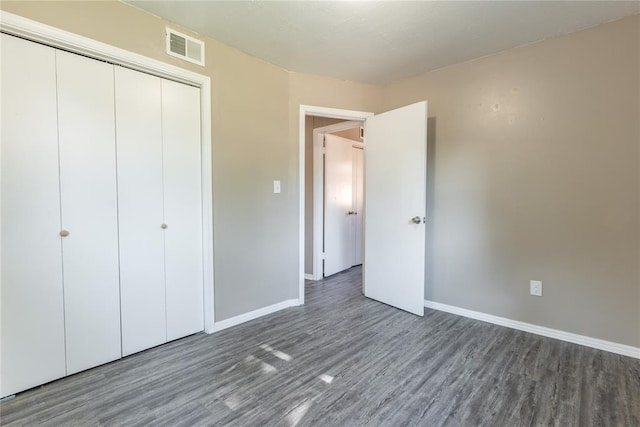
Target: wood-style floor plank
column 344, row 360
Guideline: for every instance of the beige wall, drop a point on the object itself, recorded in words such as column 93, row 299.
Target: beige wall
column 255, row 231
column 534, row 174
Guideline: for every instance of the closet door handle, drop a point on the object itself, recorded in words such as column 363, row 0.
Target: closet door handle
column 164, row 226
column 64, row 233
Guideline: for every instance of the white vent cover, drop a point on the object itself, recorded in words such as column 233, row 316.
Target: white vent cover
column 185, row 47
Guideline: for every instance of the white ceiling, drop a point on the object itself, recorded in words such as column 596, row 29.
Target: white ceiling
column 378, row 42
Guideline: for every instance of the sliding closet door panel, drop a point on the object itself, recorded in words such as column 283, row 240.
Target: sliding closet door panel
column 140, row 194
column 32, row 298
column 89, row 210
column 183, row 208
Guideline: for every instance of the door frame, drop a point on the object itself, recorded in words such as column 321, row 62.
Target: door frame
column 57, row 38
column 318, row 191
column 304, row 111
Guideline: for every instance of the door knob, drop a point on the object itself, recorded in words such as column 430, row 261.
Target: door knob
column 164, row 226
column 64, row 233
column 416, row 220
column 351, row 213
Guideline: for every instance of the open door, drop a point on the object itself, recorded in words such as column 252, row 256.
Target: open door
column 395, row 207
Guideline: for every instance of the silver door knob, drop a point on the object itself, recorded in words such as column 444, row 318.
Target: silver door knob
column 164, row 226
column 64, row 233
column 416, row 220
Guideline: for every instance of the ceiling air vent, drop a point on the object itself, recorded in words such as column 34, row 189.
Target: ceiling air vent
column 185, row 47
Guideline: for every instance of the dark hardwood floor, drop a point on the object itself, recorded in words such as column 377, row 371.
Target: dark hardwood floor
column 345, row 360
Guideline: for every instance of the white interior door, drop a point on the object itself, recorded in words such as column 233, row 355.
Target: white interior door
column 89, row 210
column 338, row 205
column 395, row 205
column 32, row 336
column 358, row 195
column 140, row 206
column 182, row 208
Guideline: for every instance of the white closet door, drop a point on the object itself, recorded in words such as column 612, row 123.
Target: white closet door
column 338, row 208
column 140, row 209
column 358, row 194
column 32, row 299
column 89, row 210
column 182, row 208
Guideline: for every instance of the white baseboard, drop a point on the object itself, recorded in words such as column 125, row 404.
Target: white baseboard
column 309, row 277
column 236, row 320
column 625, row 350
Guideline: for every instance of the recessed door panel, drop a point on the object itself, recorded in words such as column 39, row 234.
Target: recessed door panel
column 182, row 208
column 140, row 209
column 32, row 333
column 89, row 210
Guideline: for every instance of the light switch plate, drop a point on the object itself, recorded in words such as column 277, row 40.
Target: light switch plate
column 276, row 187
column 536, row 288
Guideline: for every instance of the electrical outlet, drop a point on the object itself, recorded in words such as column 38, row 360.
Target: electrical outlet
column 536, row 288
column 276, row 187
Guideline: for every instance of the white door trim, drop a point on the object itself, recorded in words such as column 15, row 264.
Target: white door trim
column 38, row 32
column 310, row 110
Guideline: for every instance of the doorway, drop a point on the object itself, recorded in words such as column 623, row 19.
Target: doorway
column 334, row 196
column 318, row 112
column 395, row 203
